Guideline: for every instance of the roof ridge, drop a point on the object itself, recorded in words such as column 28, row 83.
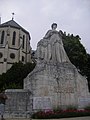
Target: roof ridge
column 13, row 23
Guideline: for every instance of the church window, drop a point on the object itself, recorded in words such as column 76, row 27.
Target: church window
column 12, row 55
column 1, row 55
column 14, row 38
column 23, row 41
column 5, row 59
column 2, row 37
column 22, row 58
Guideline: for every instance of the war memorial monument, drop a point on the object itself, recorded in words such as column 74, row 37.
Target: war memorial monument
column 54, row 82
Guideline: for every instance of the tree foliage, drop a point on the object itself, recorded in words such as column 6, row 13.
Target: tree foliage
column 13, row 78
column 77, row 54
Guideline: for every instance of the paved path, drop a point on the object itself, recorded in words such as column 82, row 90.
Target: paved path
column 77, row 118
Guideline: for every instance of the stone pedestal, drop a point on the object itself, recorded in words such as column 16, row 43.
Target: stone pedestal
column 56, row 85
column 18, row 103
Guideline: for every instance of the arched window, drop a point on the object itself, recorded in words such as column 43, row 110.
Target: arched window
column 2, row 37
column 14, row 38
column 23, row 58
column 23, row 41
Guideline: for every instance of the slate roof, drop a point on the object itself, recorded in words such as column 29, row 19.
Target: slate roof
column 12, row 23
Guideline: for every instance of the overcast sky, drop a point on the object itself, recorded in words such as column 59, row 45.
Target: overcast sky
column 36, row 16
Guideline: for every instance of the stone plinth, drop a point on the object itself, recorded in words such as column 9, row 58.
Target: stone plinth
column 60, row 83
column 18, row 103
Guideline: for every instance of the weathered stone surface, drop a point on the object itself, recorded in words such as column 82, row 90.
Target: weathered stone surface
column 41, row 103
column 61, row 82
column 18, row 103
column 54, row 76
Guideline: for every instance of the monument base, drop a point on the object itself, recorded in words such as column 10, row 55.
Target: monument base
column 18, row 103
column 56, row 85
column 49, row 86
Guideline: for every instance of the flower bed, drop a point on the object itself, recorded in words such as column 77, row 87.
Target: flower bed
column 60, row 114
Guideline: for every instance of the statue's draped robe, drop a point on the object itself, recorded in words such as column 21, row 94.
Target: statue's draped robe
column 50, row 48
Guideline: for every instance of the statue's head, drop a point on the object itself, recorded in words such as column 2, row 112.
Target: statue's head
column 54, row 26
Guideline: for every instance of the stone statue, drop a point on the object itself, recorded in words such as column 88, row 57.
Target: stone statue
column 50, row 48
column 55, row 82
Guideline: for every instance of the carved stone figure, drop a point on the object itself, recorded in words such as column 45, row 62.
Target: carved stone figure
column 50, row 48
column 55, row 81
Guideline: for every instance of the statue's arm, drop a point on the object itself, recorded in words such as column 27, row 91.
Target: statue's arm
column 60, row 33
column 48, row 34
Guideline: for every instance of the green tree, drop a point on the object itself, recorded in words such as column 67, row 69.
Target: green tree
column 13, row 78
column 77, row 54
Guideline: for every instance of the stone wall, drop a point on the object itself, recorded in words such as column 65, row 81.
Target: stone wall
column 18, row 104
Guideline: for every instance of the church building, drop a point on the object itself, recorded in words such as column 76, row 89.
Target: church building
column 14, row 45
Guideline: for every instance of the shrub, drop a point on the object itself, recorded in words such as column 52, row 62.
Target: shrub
column 57, row 109
column 87, row 107
column 71, row 107
column 60, row 114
